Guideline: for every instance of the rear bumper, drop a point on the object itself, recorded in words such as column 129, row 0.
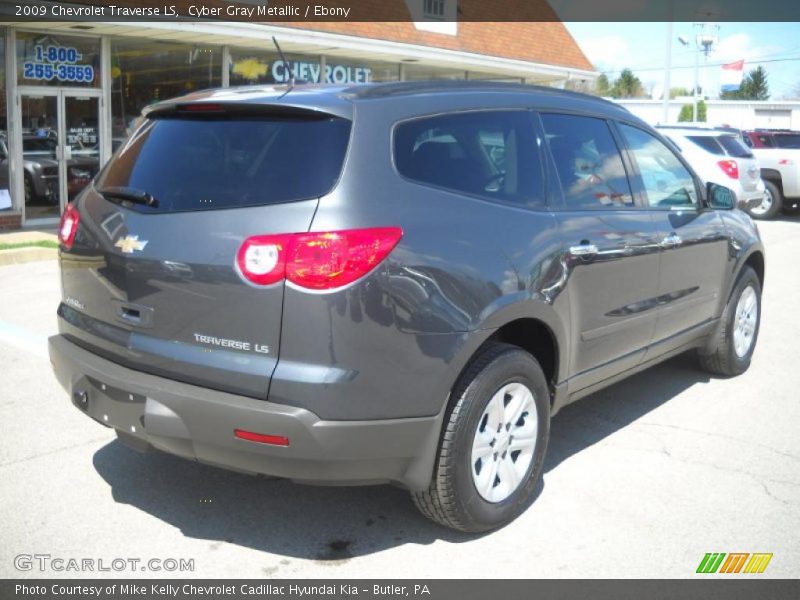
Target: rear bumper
column 747, row 199
column 198, row 423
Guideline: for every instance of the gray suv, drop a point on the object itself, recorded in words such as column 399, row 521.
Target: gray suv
column 393, row 283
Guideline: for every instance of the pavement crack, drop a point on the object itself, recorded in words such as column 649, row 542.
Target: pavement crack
column 724, row 436
column 51, row 452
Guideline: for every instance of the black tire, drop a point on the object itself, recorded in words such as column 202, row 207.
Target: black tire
column 771, row 206
column 30, row 191
column 720, row 357
column 452, row 498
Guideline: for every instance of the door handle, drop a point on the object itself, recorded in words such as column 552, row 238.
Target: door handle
column 673, row 239
column 583, row 249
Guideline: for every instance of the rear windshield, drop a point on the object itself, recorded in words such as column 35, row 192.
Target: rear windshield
column 227, row 161
column 788, row 140
column 734, row 147
column 722, row 145
column 708, row 143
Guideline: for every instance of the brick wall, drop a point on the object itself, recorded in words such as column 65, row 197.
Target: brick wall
column 10, row 221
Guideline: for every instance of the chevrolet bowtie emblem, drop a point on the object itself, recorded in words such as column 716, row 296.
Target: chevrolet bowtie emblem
column 130, row 243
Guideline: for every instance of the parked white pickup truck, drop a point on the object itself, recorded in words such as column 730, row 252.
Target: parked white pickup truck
column 778, row 152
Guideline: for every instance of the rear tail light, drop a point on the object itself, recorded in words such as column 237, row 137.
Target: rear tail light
column 730, row 167
column 201, row 107
column 316, row 261
column 261, row 438
column 69, row 226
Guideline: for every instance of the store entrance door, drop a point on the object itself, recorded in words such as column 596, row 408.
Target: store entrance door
column 60, row 147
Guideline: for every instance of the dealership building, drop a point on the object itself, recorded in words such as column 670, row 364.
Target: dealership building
column 72, row 90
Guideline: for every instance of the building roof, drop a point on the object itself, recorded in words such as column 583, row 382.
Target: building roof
column 539, row 42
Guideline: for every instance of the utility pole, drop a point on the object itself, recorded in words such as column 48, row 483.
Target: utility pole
column 665, row 116
column 704, row 40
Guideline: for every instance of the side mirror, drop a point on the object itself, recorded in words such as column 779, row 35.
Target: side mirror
column 720, row 197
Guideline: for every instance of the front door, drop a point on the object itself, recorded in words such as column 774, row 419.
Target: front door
column 60, row 148
column 610, row 247
column 693, row 240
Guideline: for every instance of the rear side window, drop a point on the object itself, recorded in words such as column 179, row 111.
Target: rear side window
column 787, row 140
column 227, row 161
column 490, row 154
column 588, row 162
column 707, row 143
column 734, row 147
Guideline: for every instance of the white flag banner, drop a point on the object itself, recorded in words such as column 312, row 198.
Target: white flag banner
column 731, row 76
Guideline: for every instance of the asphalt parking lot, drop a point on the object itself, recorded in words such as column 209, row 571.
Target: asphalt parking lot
column 642, row 479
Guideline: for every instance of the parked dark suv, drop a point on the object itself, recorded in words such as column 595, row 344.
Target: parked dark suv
column 391, row 283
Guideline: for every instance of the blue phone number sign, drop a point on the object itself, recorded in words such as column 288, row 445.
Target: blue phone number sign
column 57, row 63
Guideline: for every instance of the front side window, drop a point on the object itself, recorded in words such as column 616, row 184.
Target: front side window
column 488, row 154
column 588, row 162
column 664, row 179
column 766, row 141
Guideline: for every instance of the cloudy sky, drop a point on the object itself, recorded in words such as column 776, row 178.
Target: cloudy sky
column 642, row 47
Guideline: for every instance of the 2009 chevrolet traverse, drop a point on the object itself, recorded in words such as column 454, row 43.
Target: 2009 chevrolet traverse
column 392, row 282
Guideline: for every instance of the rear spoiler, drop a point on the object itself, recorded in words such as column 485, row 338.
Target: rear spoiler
column 207, row 108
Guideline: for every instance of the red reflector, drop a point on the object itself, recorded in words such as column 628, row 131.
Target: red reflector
column 785, row 161
column 201, row 107
column 730, row 167
column 317, row 261
column 69, row 226
column 261, row 438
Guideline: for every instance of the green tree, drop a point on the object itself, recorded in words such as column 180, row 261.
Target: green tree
column 686, row 113
column 678, row 91
column 754, row 86
column 602, row 85
column 627, row 85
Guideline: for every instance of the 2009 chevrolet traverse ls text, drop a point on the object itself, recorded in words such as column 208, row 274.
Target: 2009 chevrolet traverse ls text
column 391, row 282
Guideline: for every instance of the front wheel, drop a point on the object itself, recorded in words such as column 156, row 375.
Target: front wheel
column 770, row 204
column 735, row 341
column 492, row 450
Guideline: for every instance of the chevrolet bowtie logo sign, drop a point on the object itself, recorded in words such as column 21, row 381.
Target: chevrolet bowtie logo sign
column 130, row 243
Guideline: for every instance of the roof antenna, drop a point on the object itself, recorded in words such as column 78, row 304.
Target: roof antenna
column 286, row 66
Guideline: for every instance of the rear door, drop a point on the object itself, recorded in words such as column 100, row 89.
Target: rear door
column 156, row 287
column 693, row 238
column 611, row 249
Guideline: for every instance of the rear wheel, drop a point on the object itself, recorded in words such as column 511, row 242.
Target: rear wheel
column 771, row 203
column 735, row 341
column 493, row 445
column 30, row 192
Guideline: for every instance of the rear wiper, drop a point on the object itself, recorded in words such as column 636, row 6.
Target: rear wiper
column 128, row 194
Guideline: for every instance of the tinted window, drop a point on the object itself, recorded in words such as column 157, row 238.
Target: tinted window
column 665, row 181
column 488, row 154
column 766, row 141
column 229, row 161
column 734, row 147
column 588, row 162
column 787, row 140
column 707, row 143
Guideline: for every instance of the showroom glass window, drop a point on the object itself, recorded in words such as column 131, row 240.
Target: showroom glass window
column 146, row 71
column 50, row 60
